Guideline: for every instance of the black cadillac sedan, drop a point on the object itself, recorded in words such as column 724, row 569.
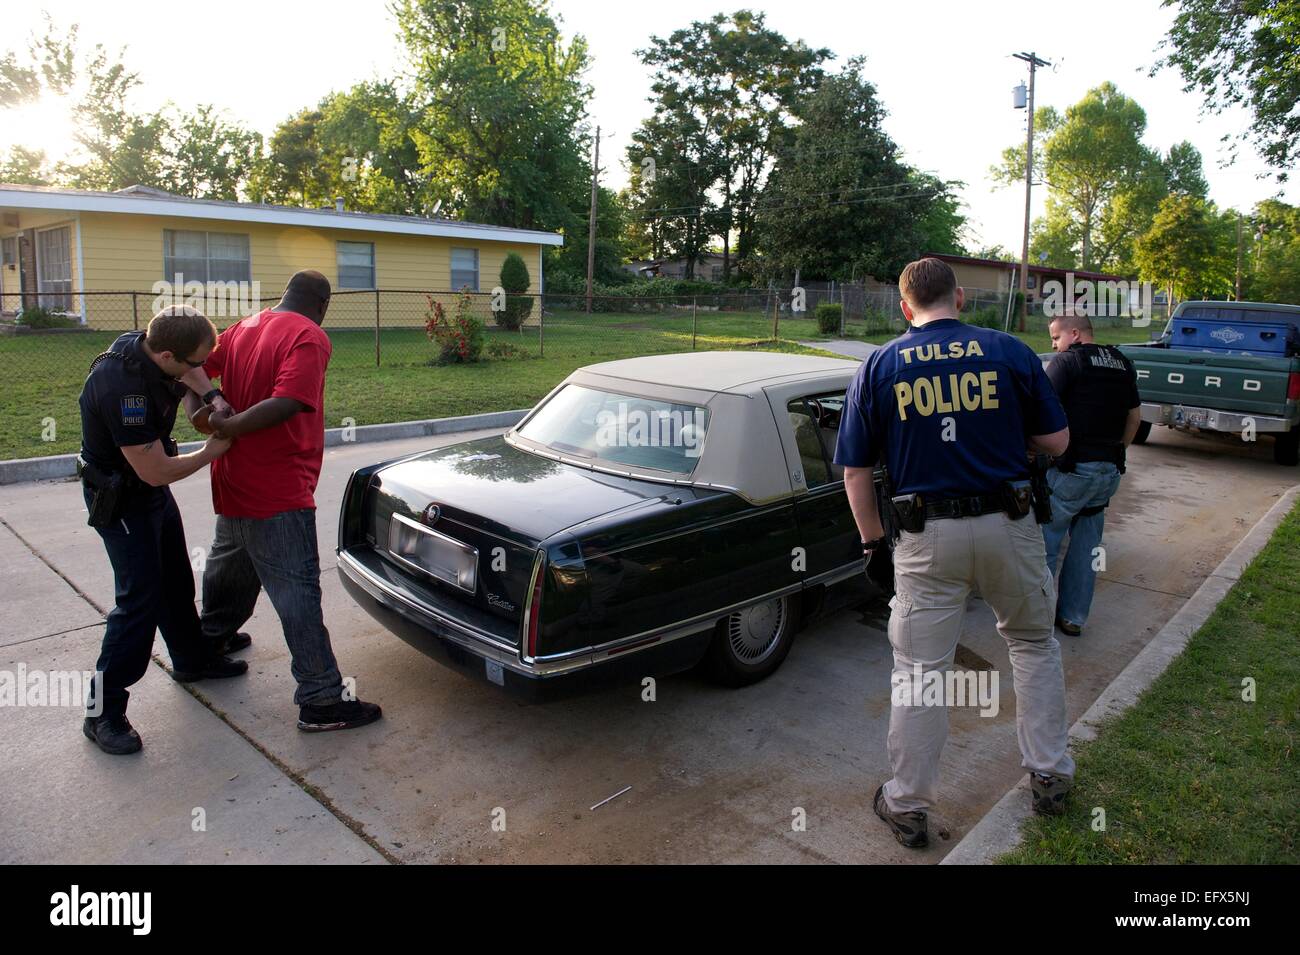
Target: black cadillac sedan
column 648, row 515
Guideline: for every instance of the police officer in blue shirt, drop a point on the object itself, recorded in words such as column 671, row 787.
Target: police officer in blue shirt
column 127, row 461
column 953, row 412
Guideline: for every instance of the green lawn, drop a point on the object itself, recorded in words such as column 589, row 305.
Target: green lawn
column 1193, row 774
column 42, row 374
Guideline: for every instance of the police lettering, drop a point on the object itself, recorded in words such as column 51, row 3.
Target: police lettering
column 968, row 391
column 933, row 351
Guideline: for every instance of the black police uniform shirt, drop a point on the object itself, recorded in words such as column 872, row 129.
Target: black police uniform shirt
column 949, row 407
column 126, row 402
column 1097, row 385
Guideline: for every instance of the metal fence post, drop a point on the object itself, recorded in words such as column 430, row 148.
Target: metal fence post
column 135, row 314
column 541, row 327
column 376, row 328
column 694, row 320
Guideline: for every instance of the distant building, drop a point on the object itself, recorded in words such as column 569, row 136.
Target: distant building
column 708, row 268
column 999, row 276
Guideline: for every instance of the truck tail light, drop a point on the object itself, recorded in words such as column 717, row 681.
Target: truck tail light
column 533, row 616
column 1293, row 387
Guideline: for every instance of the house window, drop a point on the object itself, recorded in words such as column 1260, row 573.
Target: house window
column 716, row 273
column 9, row 251
column 356, row 264
column 464, row 269
column 54, row 268
column 206, row 256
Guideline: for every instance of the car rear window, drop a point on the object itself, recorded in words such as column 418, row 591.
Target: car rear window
column 627, row 430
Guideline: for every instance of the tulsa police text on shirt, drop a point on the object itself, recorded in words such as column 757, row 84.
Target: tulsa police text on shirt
column 103, row 908
column 967, row 391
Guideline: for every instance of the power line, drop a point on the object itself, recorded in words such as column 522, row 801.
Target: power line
column 790, row 208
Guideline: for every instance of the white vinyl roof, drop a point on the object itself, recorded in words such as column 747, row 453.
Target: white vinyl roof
column 156, row 203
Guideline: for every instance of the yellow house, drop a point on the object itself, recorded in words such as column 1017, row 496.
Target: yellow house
column 82, row 253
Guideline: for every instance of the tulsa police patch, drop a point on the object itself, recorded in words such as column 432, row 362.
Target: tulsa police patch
column 133, row 410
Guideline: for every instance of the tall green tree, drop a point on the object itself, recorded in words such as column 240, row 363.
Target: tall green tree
column 500, row 102
column 736, row 80
column 840, row 202
column 1274, row 259
column 1243, row 53
column 1189, row 248
column 1089, row 155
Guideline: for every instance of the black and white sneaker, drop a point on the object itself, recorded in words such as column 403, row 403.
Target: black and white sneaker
column 1047, row 793
column 343, row 715
column 911, row 829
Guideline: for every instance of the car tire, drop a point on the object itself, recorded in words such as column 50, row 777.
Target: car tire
column 751, row 643
column 1143, row 432
column 1286, row 448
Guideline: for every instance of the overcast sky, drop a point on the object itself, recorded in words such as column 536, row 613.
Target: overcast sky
column 943, row 70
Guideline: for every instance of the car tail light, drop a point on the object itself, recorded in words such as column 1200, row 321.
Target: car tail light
column 1293, row 387
column 534, row 613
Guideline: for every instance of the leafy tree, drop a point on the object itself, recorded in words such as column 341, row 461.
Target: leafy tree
column 734, row 81
column 27, row 167
column 1189, row 248
column 840, row 202
column 1243, row 53
column 1089, row 155
column 1274, row 260
column 500, row 110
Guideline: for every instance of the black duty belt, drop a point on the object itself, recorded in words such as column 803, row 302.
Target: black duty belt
column 973, row 506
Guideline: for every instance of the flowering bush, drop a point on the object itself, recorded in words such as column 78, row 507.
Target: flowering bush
column 459, row 339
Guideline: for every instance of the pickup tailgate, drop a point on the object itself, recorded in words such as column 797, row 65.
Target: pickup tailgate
column 1243, row 383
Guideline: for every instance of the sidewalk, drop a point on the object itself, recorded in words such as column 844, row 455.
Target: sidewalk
column 198, row 793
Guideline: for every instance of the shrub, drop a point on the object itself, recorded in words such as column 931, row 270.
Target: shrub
column 38, row 316
column 515, row 280
column 828, row 315
column 459, row 339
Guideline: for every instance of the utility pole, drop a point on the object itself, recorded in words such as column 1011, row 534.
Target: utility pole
column 1034, row 62
column 1237, row 296
column 591, row 227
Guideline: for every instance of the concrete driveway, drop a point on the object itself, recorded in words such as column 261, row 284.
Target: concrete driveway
column 716, row 775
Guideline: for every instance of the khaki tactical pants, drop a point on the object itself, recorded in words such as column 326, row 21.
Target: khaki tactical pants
column 934, row 571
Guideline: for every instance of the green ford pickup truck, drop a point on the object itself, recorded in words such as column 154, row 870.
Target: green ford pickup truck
column 1225, row 366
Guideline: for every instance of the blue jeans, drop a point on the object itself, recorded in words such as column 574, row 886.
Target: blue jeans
column 277, row 553
column 1090, row 484
column 153, row 587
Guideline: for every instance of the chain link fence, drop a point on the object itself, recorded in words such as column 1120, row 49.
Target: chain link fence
column 391, row 348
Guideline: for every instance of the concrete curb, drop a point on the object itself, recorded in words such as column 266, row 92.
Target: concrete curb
column 999, row 831
column 56, row 466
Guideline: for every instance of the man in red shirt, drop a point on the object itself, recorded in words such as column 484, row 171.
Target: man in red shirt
column 272, row 365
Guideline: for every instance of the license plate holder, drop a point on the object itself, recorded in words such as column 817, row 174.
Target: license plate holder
column 434, row 554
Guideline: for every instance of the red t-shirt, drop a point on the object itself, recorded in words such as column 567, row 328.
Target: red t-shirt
column 271, row 355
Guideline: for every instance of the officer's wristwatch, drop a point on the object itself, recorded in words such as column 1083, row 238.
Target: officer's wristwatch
column 208, row 396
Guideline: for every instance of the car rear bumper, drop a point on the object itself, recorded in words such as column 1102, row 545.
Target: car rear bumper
column 1210, row 419
column 450, row 643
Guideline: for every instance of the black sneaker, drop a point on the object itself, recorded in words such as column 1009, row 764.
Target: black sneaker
column 234, row 643
column 909, row 828
column 343, row 715
column 113, row 734
column 1070, row 629
column 218, row 668
column 1047, row 793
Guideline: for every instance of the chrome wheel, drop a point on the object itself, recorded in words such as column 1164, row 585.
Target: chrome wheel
column 755, row 632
